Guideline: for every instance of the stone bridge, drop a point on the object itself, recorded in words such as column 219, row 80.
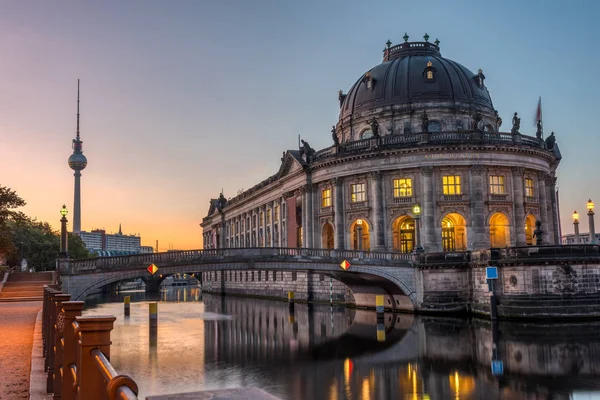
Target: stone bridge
column 370, row 273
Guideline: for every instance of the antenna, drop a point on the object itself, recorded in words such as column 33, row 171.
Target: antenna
column 298, row 140
column 77, row 109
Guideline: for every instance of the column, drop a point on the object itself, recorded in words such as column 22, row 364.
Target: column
column 280, row 233
column 546, row 227
column 272, row 224
column 263, row 223
column 479, row 229
column 308, row 234
column 378, row 219
column 551, row 228
column 555, row 213
column 519, row 207
column 428, row 239
column 223, row 232
column 338, row 216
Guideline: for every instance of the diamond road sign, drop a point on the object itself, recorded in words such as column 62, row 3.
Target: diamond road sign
column 345, row 265
column 152, row 269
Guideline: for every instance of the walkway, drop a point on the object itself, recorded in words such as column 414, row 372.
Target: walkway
column 17, row 320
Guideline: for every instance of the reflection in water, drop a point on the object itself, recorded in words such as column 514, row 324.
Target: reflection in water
column 319, row 352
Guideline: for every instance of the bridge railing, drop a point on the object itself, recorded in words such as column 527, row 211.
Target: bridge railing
column 174, row 257
column 77, row 352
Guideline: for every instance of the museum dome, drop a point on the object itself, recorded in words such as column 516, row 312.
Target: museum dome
column 413, row 75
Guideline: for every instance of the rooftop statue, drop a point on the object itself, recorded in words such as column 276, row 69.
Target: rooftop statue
column 336, row 141
column 305, row 149
column 538, row 232
column 374, row 127
column 476, row 121
column 550, row 141
column 516, row 121
column 424, row 122
column 538, row 133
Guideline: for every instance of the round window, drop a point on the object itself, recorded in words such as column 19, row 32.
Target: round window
column 366, row 134
column 434, row 126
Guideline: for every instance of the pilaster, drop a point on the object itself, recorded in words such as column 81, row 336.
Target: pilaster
column 546, row 226
column 519, row 200
column 338, row 197
column 378, row 216
column 479, row 227
column 428, row 238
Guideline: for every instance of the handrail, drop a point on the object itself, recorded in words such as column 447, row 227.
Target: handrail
column 121, row 384
column 78, row 352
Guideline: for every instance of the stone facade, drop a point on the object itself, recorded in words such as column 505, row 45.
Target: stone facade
column 427, row 146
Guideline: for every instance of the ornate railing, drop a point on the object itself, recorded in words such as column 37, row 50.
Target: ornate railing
column 513, row 255
column 77, row 352
column 229, row 254
column 412, row 139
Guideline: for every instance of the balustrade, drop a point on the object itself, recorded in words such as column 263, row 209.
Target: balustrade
column 77, row 352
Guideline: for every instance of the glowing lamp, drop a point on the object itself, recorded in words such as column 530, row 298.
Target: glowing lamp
column 63, row 211
column 416, row 210
column 575, row 216
column 359, row 221
column 590, row 205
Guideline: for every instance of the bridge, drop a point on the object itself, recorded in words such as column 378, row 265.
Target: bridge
column 370, row 273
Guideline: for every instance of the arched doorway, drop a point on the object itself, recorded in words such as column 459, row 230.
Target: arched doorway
column 529, row 228
column 454, row 233
column 327, row 236
column 499, row 230
column 359, row 230
column 404, row 236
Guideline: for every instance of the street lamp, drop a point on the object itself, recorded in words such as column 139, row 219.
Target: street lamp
column 64, row 244
column 576, row 225
column 417, row 213
column 590, row 207
column 359, row 234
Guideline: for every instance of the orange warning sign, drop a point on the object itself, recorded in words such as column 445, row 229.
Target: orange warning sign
column 152, row 269
column 345, row 265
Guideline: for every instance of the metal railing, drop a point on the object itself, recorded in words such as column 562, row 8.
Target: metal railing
column 77, row 352
column 227, row 254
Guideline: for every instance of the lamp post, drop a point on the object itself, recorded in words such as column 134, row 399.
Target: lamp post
column 359, row 234
column 590, row 207
column 64, row 244
column 417, row 213
column 576, row 225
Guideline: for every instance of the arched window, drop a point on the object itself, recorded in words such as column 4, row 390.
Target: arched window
column 404, row 234
column 499, row 230
column 434, row 126
column 366, row 134
column 327, row 241
column 488, row 128
column 454, row 233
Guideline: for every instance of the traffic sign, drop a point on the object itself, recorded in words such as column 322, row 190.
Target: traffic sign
column 345, row 265
column 491, row 273
column 497, row 368
column 152, row 269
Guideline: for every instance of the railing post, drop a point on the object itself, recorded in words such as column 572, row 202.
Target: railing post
column 48, row 290
column 59, row 328
column 49, row 361
column 94, row 333
column 71, row 309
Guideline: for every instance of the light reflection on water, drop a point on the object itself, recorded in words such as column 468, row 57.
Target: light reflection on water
column 318, row 352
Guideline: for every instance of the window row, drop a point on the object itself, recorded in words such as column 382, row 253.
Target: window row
column 403, row 187
column 272, row 216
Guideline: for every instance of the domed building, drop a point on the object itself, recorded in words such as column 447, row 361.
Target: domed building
column 419, row 162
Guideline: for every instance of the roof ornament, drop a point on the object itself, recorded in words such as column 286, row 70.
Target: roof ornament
column 516, row 121
column 334, row 136
column 550, row 141
column 388, row 43
column 429, row 63
column 374, row 127
column 426, row 37
column 437, row 42
column 424, row 122
column 405, row 37
column 341, row 97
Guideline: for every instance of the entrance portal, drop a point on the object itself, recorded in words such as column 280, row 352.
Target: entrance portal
column 454, row 233
column 359, row 231
column 404, row 236
column 327, row 236
column 499, row 230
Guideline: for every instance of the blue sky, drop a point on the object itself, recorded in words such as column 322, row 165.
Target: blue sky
column 181, row 99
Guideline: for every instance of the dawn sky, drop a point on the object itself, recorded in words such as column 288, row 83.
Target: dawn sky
column 180, row 99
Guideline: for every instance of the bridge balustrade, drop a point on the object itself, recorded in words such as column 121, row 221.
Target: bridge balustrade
column 77, row 352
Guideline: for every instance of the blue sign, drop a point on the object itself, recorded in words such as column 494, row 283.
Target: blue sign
column 491, row 273
column 497, row 368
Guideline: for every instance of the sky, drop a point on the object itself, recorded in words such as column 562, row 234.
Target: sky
column 183, row 99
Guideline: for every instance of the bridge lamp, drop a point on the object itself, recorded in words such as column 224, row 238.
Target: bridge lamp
column 576, row 225
column 64, row 245
column 359, row 223
column 417, row 215
column 590, row 207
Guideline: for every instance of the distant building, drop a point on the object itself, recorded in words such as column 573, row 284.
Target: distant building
column 584, row 238
column 107, row 244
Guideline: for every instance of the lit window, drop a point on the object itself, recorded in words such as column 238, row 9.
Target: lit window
column 269, row 216
column 326, row 198
column 276, row 216
column 496, row 184
column 357, row 192
column 429, row 74
column 260, row 218
column 451, row 184
column 529, row 191
column 403, row 187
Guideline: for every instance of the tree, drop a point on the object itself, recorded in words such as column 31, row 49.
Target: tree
column 9, row 200
column 77, row 248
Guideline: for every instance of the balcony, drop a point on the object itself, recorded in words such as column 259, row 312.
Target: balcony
column 403, row 200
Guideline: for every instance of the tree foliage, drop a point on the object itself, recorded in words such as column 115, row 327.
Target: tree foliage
column 24, row 237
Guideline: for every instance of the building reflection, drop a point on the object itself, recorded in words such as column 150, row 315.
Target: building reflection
column 316, row 352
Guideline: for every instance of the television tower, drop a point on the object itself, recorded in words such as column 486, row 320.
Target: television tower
column 77, row 162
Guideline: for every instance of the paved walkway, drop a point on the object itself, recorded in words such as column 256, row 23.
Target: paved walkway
column 17, row 321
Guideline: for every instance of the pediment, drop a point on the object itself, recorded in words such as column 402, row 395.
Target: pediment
column 290, row 163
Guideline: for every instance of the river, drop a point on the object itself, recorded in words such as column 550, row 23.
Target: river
column 317, row 352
